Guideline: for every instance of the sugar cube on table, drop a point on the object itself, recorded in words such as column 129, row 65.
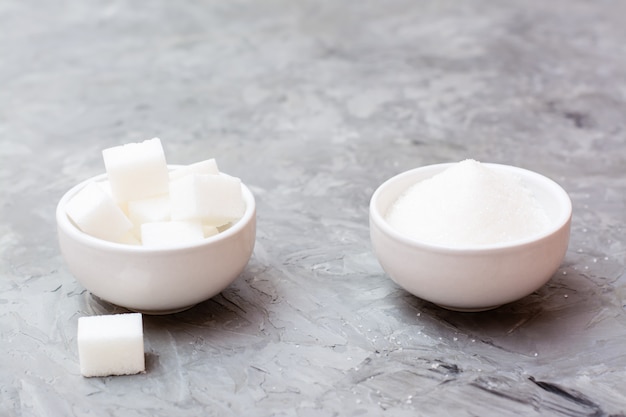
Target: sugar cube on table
column 94, row 212
column 212, row 199
column 208, row 166
column 136, row 170
column 111, row 345
column 161, row 234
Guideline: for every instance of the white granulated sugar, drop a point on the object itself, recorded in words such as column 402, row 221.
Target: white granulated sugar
column 468, row 204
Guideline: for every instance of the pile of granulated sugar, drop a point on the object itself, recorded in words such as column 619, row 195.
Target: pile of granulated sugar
column 468, row 204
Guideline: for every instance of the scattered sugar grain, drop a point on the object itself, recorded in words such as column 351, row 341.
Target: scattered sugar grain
column 468, row 204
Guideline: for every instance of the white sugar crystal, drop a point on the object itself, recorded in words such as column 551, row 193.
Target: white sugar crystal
column 111, row 345
column 468, row 204
column 211, row 199
column 136, row 170
column 207, row 167
column 160, row 234
column 95, row 213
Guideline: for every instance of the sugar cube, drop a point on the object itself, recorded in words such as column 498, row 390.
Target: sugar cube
column 144, row 190
column 147, row 210
column 212, row 199
column 136, row 170
column 208, row 166
column 170, row 233
column 95, row 213
column 209, row 230
column 106, row 186
column 111, row 345
column 130, row 238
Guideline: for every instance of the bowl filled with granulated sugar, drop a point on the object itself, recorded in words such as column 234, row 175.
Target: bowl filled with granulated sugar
column 470, row 236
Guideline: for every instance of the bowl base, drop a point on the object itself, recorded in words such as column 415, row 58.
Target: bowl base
column 469, row 310
column 113, row 306
column 161, row 312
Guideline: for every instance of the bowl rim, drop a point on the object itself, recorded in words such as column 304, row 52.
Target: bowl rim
column 561, row 221
column 67, row 226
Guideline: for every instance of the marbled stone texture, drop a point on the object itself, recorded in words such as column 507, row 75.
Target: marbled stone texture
column 314, row 104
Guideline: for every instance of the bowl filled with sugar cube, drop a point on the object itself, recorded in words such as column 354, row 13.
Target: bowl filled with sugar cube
column 153, row 237
column 470, row 236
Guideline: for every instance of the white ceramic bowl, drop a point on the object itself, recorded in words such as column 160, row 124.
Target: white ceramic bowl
column 156, row 280
column 471, row 278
